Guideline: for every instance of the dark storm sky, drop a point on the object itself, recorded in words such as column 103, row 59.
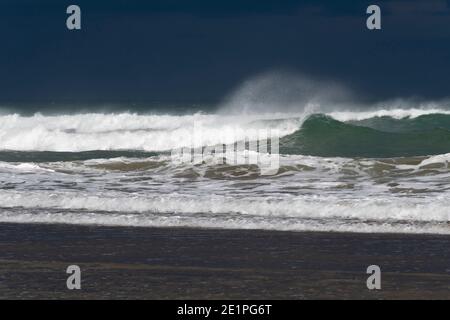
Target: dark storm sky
column 131, row 51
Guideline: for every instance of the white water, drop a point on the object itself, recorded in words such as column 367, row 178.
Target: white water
column 311, row 193
column 315, row 214
column 129, row 131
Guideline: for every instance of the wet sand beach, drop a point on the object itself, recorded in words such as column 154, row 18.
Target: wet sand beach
column 183, row 263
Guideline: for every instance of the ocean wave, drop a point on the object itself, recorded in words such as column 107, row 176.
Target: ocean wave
column 394, row 113
column 322, row 135
column 88, row 132
column 209, row 168
column 318, row 214
column 377, row 134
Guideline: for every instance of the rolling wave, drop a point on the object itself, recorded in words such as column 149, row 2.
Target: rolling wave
column 319, row 214
column 322, row 135
column 349, row 171
column 383, row 133
column 108, row 132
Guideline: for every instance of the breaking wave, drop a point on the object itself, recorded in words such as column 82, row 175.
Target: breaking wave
column 383, row 133
column 320, row 214
column 379, row 137
column 349, row 171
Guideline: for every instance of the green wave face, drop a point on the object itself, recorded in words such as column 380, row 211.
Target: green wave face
column 421, row 123
column 324, row 136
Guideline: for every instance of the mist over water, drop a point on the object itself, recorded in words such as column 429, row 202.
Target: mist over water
column 281, row 92
column 345, row 164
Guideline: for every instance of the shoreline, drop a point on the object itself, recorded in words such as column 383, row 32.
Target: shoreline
column 187, row 263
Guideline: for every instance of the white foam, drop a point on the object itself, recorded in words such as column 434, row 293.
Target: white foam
column 441, row 159
column 24, row 167
column 313, row 213
column 152, row 220
column 85, row 132
column 131, row 131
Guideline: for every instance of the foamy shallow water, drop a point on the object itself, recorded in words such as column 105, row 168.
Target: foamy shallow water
column 309, row 193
